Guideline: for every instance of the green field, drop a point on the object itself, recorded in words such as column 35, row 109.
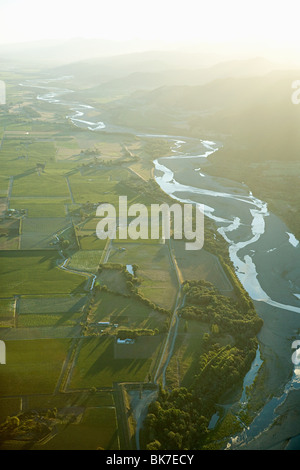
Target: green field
column 36, row 273
column 108, row 305
column 6, row 308
column 97, row 429
column 41, row 207
column 159, row 282
column 6, row 312
column 4, row 182
column 9, row 234
column 44, row 305
column 46, row 185
column 35, row 320
column 32, row 366
column 19, row 156
column 201, row 265
column 97, row 367
column 38, row 233
column 91, row 243
column 100, row 185
column 85, row 260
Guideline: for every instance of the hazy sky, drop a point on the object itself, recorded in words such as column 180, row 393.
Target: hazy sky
column 270, row 21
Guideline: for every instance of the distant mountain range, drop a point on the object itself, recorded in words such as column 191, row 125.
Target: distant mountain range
column 255, row 111
column 54, row 53
column 149, row 70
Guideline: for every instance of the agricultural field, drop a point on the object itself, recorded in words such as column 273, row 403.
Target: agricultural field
column 91, row 243
column 157, row 275
column 33, row 367
column 9, row 234
column 201, row 265
column 4, row 182
column 85, row 260
column 97, row 399
column 100, row 185
column 32, row 320
column 7, row 309
column 51, row 305
column 19, row 156
column 9, row 407
column 114, row 279
column 126, row 312
column 87, row 238
column 97, row 365
column 38, row 233
column 43, row 184
column 30, row 333
column 27, row 272
column 41, row 207
column 50, row 312
column 97, row 425
column 67, row 150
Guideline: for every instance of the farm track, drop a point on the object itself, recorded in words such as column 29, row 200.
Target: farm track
column 122, row 419
column 63, row 378
column 70, row 190
column 9, row 191
column 174, row 322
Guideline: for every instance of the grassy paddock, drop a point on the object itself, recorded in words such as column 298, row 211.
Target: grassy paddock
column 36, row 273
column 159, row 282
column 51, row 305
column 32, row 366
column 97, row 429
column 201, row 265
column 97, row 367
column 138, row 315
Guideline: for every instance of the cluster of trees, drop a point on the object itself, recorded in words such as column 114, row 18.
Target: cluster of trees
column 91, row 152
column 28, row 426
column 238, row 318
column 176, row 421
column 222, row 368
column 127, row 333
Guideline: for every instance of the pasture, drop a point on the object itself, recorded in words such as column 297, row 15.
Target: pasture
column 41, row 207
column 85, row 260
column 201, row 265
column 46, row 184
column 32, row 366
column 36, row 272
column 97, row 366
column 111, row 307
column 96, row 429
column 6, row 313
column 158, row 278
column 38, row 233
